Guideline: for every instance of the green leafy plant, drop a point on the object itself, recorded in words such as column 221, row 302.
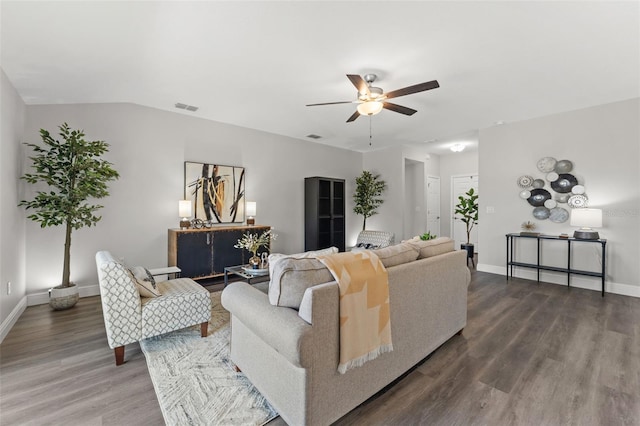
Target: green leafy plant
column 74, row 172
column 427, row 236
column 367, row 199
column 467, row 207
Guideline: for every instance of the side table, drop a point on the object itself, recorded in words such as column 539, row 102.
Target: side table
column 239, row 271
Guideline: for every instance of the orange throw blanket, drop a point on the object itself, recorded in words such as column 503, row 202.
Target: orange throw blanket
column 365, row 325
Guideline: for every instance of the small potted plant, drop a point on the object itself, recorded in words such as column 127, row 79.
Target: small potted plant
column 74, row 173
column 427, row 236
column 253, row 242
column 467, row 207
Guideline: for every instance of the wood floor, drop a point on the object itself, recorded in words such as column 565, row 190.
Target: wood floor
column 531, row 354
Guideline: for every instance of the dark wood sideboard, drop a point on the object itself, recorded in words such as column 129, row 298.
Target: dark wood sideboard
column 204, row 253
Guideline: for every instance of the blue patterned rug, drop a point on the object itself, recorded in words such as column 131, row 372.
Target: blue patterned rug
column 195, row 381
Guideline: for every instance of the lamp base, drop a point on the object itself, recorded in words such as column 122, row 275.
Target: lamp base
column 185, row 224
column 586, row 234
column 251, row 221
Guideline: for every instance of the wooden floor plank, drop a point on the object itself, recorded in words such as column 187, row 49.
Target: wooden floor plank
column 532, row 353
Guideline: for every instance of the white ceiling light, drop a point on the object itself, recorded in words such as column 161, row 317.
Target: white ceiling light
column 370, row 108
column 458, row 147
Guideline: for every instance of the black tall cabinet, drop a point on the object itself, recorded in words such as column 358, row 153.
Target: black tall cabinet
column 324, row 203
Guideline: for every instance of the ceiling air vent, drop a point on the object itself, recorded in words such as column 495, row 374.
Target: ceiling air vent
column 187, row 107
column 312, row 136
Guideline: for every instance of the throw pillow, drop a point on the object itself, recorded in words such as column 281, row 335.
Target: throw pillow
column 433, row 247
column 145, row 282
column 397, row 254
column 291, row 277
column 274, row 258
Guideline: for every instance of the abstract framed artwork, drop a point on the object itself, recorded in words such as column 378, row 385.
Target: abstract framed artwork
column 216, row 191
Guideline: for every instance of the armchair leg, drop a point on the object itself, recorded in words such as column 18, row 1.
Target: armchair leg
column 459, row 333
column 203, row 328
column 119, row 352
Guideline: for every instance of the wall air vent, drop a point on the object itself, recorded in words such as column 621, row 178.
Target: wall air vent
column 187, row 107
column 312, row 136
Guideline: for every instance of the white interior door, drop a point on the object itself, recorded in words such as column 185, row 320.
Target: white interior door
column 459, row 186
column 433, row 205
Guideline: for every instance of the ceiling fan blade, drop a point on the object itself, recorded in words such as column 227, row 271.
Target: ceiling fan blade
column 332, row 103
column 398, row 108
column 413, row 89
column 353, row 117
column 359, row 82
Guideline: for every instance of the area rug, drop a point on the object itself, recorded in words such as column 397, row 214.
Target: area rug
column 195, row 380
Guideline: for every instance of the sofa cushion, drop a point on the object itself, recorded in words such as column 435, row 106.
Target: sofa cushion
column 291, row 277
column 433, row 247
column 397, row 254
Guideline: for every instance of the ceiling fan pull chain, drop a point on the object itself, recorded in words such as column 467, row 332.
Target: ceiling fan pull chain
column 370, row 118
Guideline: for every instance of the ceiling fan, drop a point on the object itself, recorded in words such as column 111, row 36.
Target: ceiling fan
column 371, row 100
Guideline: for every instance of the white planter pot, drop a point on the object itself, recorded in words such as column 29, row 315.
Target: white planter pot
column 61, row 298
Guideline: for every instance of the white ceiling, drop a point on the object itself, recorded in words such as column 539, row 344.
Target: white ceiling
column 256, row 64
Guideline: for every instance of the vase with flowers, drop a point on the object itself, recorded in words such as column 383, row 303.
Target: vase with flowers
column 252, row 242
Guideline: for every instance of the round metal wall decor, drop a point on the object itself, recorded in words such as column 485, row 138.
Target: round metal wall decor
column 525, row 181
column 546, row 164
column 563, row 188
column 564, row 166
column 558, row 215
column 564, row 183
column 541, row 213
column 538, row 197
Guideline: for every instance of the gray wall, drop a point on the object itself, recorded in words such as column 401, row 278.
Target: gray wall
column 148, row 147
column 12, row 222
column 604, row 144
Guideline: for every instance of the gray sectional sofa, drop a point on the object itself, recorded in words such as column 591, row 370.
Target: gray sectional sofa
column 291, row 355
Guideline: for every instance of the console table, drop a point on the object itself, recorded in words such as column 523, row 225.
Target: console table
column 568, row 270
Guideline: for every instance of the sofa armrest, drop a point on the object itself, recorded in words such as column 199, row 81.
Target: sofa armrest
column 279, row 327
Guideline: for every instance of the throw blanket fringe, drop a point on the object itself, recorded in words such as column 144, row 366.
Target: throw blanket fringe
column 365, row 325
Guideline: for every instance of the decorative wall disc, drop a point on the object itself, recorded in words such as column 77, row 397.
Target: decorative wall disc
column 564, row 166
column 538, row 197
column 565, row 189
column 564, row 183
column 541, row 213
column 578, row 189
column 558, row 215
column 525, row 181
column 546, row 164
column 538, row 183
column 578, row 201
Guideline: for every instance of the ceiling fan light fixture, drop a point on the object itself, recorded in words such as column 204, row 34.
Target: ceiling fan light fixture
column 370, row 108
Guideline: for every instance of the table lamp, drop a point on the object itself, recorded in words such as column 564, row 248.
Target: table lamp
column 251, row 212
column 184, row 211
column 586, row 219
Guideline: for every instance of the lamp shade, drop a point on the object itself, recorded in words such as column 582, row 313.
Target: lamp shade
column 184, row 208
column 251, row 208
column 370, row 108
column 586, row 218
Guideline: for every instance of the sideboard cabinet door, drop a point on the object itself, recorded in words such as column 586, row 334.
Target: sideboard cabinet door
column 204, row 253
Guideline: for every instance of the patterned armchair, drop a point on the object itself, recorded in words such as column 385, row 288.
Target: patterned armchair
column 375, row 239
column 129, row 318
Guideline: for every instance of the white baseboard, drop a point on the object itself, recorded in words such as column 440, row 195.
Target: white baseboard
column 43, row 297
column 8, row 323
column 561, row 279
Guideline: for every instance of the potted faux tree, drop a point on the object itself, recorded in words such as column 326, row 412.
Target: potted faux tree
column 467, row 207
column 369, row 188
column 74, row 173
